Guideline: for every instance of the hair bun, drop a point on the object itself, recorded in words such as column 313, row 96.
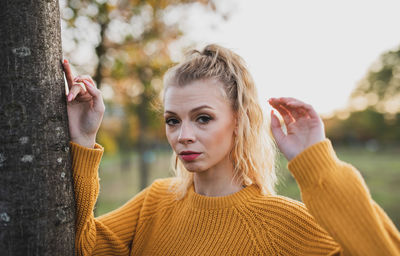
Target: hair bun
column 210, row 50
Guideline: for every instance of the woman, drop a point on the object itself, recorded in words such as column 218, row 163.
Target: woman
column 222, row 201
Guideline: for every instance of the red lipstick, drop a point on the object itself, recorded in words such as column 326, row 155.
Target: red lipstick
column 189, row 155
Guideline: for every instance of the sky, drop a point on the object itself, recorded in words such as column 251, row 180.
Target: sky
column 313, row 50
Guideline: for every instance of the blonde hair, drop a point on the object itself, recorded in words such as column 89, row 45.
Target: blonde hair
column 253, row 153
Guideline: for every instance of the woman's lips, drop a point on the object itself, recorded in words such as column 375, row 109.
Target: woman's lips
column 190, row 157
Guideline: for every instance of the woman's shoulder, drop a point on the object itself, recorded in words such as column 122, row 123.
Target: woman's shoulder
column 155, row 197
column 280, row 206
column 289, row 224
column 281, row 212
column 164, row 185
column 285, row 217
column 161, row 190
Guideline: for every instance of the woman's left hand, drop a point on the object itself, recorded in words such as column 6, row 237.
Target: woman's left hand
column 304, row 126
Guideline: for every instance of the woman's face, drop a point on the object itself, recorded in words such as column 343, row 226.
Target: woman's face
column 199, row 119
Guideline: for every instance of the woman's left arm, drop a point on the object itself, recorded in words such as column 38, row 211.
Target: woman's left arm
column 333, row 191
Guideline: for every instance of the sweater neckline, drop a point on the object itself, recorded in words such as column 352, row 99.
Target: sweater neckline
column 209, row 202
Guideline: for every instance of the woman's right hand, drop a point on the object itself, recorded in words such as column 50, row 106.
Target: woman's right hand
column 85, row 108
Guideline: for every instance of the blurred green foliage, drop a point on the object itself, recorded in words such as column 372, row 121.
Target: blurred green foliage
column 381, row 85
column 366, row 127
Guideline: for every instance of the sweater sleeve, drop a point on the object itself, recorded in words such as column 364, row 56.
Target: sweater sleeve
column 336, row 195
column 110, row 234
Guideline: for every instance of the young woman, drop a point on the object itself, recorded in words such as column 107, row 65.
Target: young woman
column 222, row 200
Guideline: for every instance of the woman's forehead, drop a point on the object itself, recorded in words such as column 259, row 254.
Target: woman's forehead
column 194, row 95
column 195, row 89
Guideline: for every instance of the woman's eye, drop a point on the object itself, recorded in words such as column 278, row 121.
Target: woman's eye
column 171, row 121
column 204, row 119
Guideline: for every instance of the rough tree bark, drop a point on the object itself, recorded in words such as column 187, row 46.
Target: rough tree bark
column 36, row 192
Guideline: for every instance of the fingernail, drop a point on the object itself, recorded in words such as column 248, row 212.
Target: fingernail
column 65, row 61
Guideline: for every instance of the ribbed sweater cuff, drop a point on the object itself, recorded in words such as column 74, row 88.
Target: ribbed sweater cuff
column 314, row 163
column 86, row 161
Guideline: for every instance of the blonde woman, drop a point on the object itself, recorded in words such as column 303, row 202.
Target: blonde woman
column 222, row 200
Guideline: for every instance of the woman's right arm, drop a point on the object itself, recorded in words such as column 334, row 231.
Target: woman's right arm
column 111, row 234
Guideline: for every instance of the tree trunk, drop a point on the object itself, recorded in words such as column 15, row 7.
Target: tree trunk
column 103, row 21
column 36, row 192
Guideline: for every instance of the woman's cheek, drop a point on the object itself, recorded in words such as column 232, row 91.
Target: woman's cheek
column 218, row 137
column 170, row 137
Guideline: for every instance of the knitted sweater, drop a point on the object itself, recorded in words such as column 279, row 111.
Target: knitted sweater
column 339, row 216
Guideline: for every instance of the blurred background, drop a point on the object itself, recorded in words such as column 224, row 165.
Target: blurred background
column 341, row 57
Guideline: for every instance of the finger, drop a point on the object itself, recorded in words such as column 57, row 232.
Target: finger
column 98, row 103
column 68, row 73
column 287, row 118
column 75, row 90
column 85, row 77
column 307, row 107
column 296, row 110
column 311, row 113
column 84, row 98
column 276, row 104
column 276, row 128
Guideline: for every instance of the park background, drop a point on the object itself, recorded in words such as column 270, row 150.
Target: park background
column 341, row 57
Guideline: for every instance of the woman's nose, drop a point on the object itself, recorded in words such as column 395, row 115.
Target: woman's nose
column 186, row 134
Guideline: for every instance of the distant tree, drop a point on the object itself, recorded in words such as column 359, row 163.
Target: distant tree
column 36, row 192
column 363, row 126
column 380, row 88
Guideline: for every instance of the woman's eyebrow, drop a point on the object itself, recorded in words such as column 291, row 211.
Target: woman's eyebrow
column 191, row 111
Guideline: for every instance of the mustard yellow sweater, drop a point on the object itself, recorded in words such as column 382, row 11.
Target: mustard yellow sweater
column 339, row 216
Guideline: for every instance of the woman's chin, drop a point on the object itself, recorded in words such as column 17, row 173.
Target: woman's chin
column 193, row 168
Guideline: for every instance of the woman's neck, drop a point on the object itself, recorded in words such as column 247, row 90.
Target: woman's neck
column 216, row 181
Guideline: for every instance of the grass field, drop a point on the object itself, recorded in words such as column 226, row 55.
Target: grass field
column 381, row 171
